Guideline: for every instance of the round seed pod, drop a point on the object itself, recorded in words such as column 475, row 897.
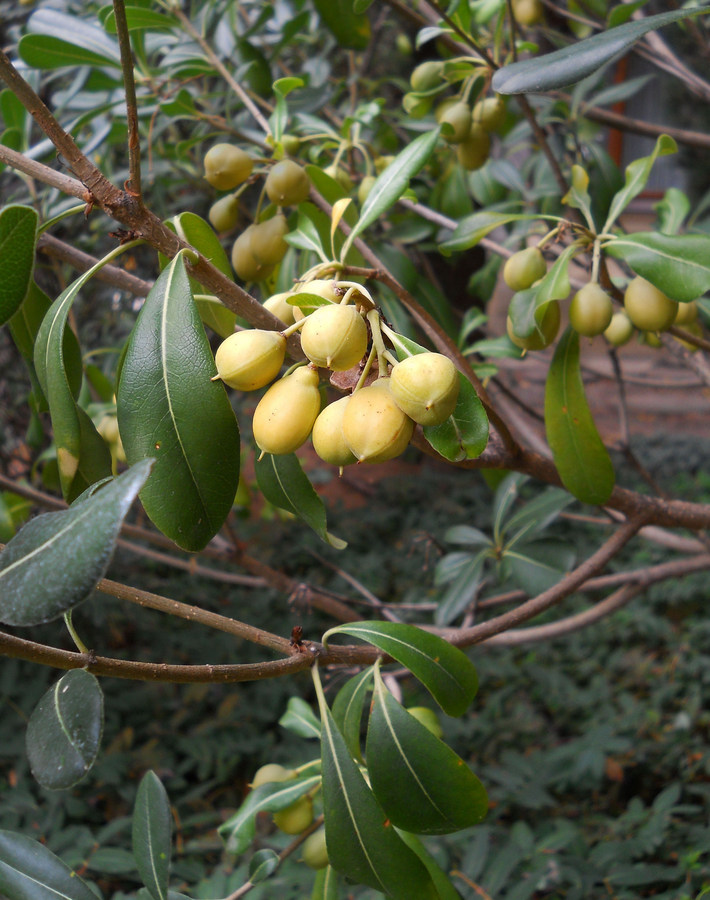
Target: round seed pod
column 458, row 116
column 315, row 853
column 619, row 330
column 245, row 264
column 374, row 427
column 250, row 359
column 544, row 334
column 524, row 268
column 473, row 152
column 335, row 337
column 321, row 287
column 287, row 183
column 687, row 313
column 295, row 818
column 426, row 387
column 647, row 307
column 284, row 417
column 590, row 310
column 267, row 240
column 224, row 213
column 270, row 773
column 327, row 436
column 426, row 75
column 489, row 113
column 227, row 166
column 278, row 306
column 364, row 188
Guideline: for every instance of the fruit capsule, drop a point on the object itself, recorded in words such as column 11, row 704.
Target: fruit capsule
column 687, row 313
column 524, row 268
column 295, row 818
column 321, row 287
column 528, row 12
column 364, row 188
column 489, row 113
column 426, row 387
column 224, row 213
column 267, row 240
column 284, row 416
column 279, row 307
column 227, row 166
column 328, row 438
column 374, row 427
column 619, row 330
column 315, row 853
column 458, row 116
column 287, row 183
column 334, row 336
column 544, row 333
column 590, row 310
column 428, row 718
column 426, row 75
column 245, row 264
column 271, row 773
column 473, row 152
column 250, row 359
column 647, row 307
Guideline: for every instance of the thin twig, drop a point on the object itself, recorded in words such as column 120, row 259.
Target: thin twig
column 134, row 144
column 45, row 174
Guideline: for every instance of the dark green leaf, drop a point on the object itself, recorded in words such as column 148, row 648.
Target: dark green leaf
column 467, row 535
column 677, row 264
column 446, row 672
column 464, row 435
column 423, row 786
column 200, row 235
column 284, row 483
column 138, row 19
column 169, row 408
column 262, row 865
column 216, row 315
column 64, row 731
column 18, row 231
column 326, row 885
column 300, row 719
column 307, row 236
column 538, row 565
column 581, row 458
column 30, row 871
column 672, row 211
column 462, row 589
column 636, row 177
column 36, row 584
column 506, row 495
column 443, row 885
column 571, row 64
column 58, row 39
column 535, row 516
column 152, row 829
column 350, row 30
column 347, row 709
column 279, row 118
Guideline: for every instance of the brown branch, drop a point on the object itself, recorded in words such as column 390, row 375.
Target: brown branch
column 45, row 174
column 129, row 84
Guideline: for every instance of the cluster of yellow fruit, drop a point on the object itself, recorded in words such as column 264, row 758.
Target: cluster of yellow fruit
column 376, row 421
column 591, row 311
column 297, row 817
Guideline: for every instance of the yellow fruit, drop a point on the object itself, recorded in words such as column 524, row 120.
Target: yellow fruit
column 315, row 853
column 227, row 166
column 108, row 429
column 334, row 336
column 426, row 75
column 267, row 240
column 328, row 438
column 528, row 12
column 249, row 359
column 270, row 773
column 374, row 427
column 224, row 213
column 287, row 183
column 246, row 265
column 364, row 188
column 619, row 330
column 473, row 152
column 524, row 268
column 489, row 113
column 295, row 818
column 544, row 333
column 647, row 307
column 428, row 718
column 284, row 417
column 277, row 305
column 458, row 116
column 321, row 287
column 341, row 176
column 590, row 310
column 687, row 313
column 426, row 387
column 290, row 143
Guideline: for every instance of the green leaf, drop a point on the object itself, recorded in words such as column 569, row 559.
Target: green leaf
column 441, row 880
column 152, row 829
column 215, row 315
column 536, row 515
column 238, row 831
column 58, row 39
column 446, row 672
column 423, row 786
column 262, row 865
column 169, row 408
column 538, row 565
column 393, row 181
column 672, row 210
column 300, row 719
column 64, row 731
column 636, row 176
column 505, row 497
column 463, row 588
column 200, row 235
column 139, row 19
column 347, row 709
column 18, row 230
column 279, row 118
column 464, row 435
column 307, row 236
column 527, row 308
column 284, row 483
column 677, row 264
column 472, row 229
column 468, row 536
column 326, row 885
column 351, row 31
column 29, row 871
column 36, row 583
column 571, row 64
column 577, row 196
column 361, row 842
column 581, row 458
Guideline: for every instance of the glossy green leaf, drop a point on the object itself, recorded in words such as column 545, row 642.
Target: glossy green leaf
column 361, row 842
column 14, row 510
column 64, row 730
column 139, row 18
column 423, row 786
column 581, row 458
column 279, row 117
column 58, row 39
column 537, row 566
column 215, row 315
column 300, row 719
column 468, row 536
column 677, row 264
column 527, row 307
column 351, row 31
column 169, row 408
column 393, row 181
column 30, row 871
column 446, row 672
column 672, row 210
column 36, row 584
column 463, row 588
column 472, row 229
column 152, row 830
column 573, row 63
column 201, row 235
column 464, row 435
column 535, row 516
column 18, row 230
column 283, row 482
column 262, row 865
column 347, row 709
column 636, row 177
column 238, row 831
column 441, row 880
column 307, row 236
column 326, row 885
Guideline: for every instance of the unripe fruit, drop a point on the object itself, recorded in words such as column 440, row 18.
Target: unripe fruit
column 524, row 268
column 295, row 818
column 489, row 113
column 267, row 240
column 381, row 163
column 473, row 152
column 528, row 12
column 315, row 853
column 227, row 166
column 321, row 287
column 245, row 264
column 224, row 213
column 651, row 339
column 287, row 183
column 279, row 307
column 590, row 310
column 426, row 75
column 364, row 188
column 619, row 330
column 270, row 773
column 341, row 176
column 458, row 116
column 249, row 359
column 328, row 438
column 428, row 718
column 426, row 387
column 284, row 416
column 374, row 427
column 544, row 333
column 687, row 313
column 335, row 337
column 290, row 143
column 647, row 307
